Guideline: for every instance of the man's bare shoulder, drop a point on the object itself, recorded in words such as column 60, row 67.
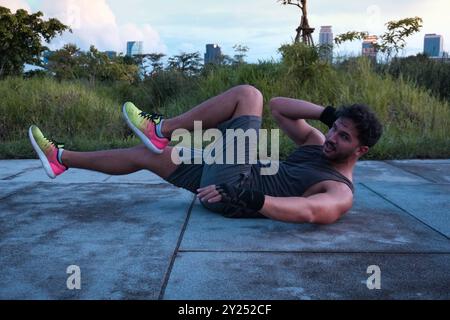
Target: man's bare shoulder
column 340, row 195
column 330, row 187
column 337, row 188
column 330, row 202
column 315, row 137
column 338, row 191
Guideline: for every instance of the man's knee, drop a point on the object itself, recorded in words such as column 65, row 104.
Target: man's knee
column 249, row 92
column 250, row 100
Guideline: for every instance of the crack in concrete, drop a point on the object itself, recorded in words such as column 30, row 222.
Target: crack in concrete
column 9, row 178
column 409, row 171
column 20, row 190
column 316, row 252
column 404, row 210
column 175, row 253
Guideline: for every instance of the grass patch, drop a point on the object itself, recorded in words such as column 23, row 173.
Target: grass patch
column 416, row 122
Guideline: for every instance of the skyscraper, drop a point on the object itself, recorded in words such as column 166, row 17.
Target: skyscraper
column 326, row 42
column 134, row 48
column 433, row 45
column 213, row 53
column 368, row 47
column 326, row 35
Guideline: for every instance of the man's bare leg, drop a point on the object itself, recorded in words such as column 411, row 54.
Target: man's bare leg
column 122, row 161
column 237, row 101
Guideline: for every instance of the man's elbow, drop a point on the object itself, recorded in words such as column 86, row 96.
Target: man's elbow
column 324, row 218
column 274, row 102
column 305, row 216
column 273, row 106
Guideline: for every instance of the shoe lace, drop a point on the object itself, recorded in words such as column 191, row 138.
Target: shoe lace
column 57, row 145
column 154, row 117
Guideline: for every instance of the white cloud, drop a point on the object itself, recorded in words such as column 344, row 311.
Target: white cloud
column 13, row 5
column 94, row 23
column 262, row 25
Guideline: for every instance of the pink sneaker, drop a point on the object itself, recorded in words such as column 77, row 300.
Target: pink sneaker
column 47, row 151
column 144, row 125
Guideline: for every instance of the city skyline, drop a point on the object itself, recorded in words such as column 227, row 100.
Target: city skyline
column 188, row 26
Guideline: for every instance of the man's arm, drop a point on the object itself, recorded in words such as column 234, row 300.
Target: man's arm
column 321, row 208
column 295, row 109
column 290, row 114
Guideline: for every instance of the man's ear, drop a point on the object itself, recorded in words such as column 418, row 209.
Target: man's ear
column 362, row 150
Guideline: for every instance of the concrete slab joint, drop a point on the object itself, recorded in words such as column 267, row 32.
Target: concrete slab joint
column 95, row 236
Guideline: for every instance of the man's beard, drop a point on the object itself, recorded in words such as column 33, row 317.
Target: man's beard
column 337, row 157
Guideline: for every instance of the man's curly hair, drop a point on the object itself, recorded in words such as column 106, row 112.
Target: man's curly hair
column 366, row 123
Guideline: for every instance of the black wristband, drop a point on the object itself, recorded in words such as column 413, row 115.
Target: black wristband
column 242, row 198
column 328, row 116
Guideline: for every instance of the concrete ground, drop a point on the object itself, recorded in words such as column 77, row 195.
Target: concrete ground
column 136, row 237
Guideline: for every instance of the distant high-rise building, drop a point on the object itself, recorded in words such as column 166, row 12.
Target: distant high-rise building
column 111, row 54
column 368, row 47
column 134, row 48
column 326, row 42
column 433, row 45
column 213, row 53
column 326, row 35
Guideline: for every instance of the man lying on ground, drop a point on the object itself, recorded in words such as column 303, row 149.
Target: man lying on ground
column 314, row 184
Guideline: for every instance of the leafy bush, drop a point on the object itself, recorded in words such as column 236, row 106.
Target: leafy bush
column 416, row 123
column 303, row 62
column 423, row 71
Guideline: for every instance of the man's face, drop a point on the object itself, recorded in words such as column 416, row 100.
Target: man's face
column 341, row 141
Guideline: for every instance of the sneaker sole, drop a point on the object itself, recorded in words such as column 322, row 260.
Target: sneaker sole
column 41, row 155
column 139, row 133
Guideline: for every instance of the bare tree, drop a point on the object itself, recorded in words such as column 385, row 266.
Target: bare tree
column 304, row 31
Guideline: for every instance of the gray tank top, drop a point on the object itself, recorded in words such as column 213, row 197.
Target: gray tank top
column 305, row 167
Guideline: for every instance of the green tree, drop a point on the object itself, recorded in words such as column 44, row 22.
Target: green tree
column 70, row 63
column 240, row 53
column 432, row 74
column 393, row 40
column 188, row 64
column 95, row 64
column 139, row 60
column 303, row 62
column 117, row 70
column 143, row 61
column 21, row 36
column 225, row 60
column 64, row 63
column 350, row 36
column 155, row 62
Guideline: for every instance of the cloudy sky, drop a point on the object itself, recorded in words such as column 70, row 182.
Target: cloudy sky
column 262, row 25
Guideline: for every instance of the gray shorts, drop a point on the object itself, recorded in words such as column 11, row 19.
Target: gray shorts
column 194, row 176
